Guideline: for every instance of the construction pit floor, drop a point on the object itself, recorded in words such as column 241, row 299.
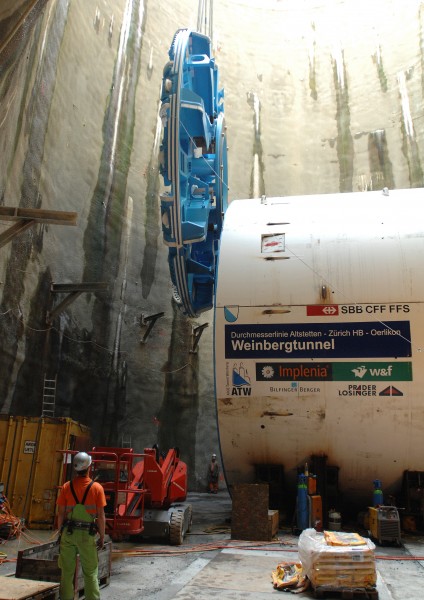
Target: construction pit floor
column 210, row 564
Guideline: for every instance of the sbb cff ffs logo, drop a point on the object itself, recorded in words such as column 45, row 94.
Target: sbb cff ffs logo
column 327, row 310
column 372, row 309
column 332, row 310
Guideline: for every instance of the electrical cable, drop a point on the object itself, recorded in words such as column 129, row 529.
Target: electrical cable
column 4, row 559
column 207, row 547
column 10, row 525
column 315, row 272
column 93, row 342
column 231, row 544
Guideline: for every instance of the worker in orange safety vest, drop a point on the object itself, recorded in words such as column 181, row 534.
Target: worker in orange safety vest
column 213, row 475
column 81, row 516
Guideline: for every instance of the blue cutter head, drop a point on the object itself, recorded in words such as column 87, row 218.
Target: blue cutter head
column 193, row 163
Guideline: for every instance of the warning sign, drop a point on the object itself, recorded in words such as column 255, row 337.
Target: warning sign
column 29, row 447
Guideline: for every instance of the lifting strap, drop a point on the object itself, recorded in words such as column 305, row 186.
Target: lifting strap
column 87, row 489
column 71, row 524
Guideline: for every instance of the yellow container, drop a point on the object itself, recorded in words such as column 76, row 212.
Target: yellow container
column 373, row 522
column 31, row 467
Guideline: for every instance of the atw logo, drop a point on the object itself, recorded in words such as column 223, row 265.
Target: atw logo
column 241, row 391
column 241, row 381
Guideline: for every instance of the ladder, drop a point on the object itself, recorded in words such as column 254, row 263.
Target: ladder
column 125, row 441
column 49, row 397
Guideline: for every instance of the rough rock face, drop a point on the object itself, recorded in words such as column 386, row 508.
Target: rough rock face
column 310, row 109
column 79, row 94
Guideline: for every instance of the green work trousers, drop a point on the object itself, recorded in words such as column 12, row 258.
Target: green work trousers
column 82, row 543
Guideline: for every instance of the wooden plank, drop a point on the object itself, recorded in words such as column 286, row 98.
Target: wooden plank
column 56, row 217
column 84, row 286
column 14, row 230
column 39, row 569
column 42, row 551
column 20, row 589
column 345, row 593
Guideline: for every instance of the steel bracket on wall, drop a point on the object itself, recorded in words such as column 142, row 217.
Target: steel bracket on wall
column 73, row 290
column 150, row 322
column 196, row 334
column 27, row 217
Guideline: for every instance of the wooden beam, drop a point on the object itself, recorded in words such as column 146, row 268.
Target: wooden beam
column 73, row 290
column 51, row 315
column 63, row 288
column 39, row 215
column 15, row 229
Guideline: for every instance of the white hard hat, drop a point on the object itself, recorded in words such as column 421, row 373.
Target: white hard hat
column 82, row 461
column 213, row 455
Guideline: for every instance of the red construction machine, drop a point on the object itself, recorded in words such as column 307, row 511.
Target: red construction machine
column 145, row 493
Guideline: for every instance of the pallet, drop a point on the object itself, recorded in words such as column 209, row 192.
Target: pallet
column 26, row 589
column 345, row 593
column 40, row 564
